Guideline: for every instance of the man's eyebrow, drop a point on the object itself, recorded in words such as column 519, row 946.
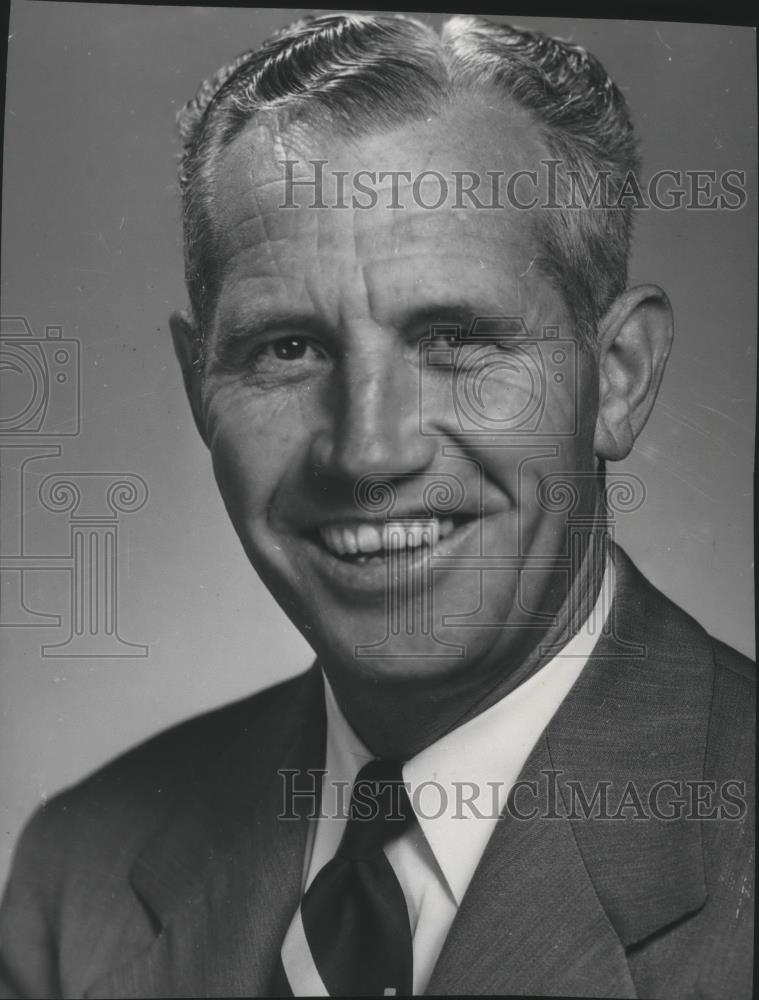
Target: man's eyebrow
column 239, row 327
column 261, row 321
column 461, row 315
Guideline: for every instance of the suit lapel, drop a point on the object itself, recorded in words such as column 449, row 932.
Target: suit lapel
column 222, row 881
column 557, row 900
column 637, row 723
column 530, row 922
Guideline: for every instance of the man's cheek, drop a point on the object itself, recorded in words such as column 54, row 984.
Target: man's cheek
column 239, row 420
column 253, row 455
column 240, row 468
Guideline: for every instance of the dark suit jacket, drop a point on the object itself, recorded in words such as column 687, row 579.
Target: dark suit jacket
column 167, row 873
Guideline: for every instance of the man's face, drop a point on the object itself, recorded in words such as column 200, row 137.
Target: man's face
column 318, row 390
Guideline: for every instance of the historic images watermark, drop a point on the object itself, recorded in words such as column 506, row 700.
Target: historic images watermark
column 550, row 797
column 554, row 185
column 41, row 409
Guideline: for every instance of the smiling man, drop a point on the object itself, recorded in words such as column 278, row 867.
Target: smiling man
column 515, row 766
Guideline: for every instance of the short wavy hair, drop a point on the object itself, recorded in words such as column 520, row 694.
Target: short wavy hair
column 359, row 74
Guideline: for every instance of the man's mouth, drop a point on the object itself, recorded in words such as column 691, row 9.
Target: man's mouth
column 362, row 542
column 355, row 555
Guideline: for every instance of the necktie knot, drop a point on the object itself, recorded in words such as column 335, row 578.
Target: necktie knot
column 380, row 810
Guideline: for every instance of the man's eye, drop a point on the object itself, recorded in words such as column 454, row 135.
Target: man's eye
column 285, row 358
column 289, row 348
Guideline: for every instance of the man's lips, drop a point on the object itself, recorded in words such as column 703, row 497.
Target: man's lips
column 348, row 539
column 385, row 547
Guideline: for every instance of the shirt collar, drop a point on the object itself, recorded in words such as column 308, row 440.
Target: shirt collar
column 459, row 784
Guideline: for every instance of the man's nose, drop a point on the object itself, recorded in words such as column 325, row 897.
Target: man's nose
column 374, row 424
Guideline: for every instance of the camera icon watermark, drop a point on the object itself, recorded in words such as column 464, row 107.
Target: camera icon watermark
column 40, row 381
column 495, row 378
column 40, row 402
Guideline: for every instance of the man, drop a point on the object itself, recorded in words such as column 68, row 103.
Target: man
column 411, row 357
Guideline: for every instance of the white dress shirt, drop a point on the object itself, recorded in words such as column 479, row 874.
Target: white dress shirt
column 436, row 858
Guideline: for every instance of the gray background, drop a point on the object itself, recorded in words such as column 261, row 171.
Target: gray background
column 91, row 242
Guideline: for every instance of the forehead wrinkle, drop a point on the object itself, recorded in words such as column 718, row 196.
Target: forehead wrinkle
column 396, row 293
column 491, row 248
column 329, row 269
column 419, row 224
column 238, row 181
column 257, row 263
column 262, row 215
column 253, row 233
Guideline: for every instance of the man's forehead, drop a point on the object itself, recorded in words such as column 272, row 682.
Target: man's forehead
column 459, row 158
column 381, row 259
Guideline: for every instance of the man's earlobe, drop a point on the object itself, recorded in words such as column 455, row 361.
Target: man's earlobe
column 634, row 341
column 187, row 344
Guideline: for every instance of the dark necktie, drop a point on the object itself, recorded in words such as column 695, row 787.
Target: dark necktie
column 351, row 933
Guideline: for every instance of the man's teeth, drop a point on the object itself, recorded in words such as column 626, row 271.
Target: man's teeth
column 366, row 539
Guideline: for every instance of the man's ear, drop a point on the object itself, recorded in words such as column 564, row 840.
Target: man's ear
column 634, row 341
column 187, row 347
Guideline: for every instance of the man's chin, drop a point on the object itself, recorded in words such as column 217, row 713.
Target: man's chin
column 408, row 643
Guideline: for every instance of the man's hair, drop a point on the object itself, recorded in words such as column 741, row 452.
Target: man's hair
column 359, row 74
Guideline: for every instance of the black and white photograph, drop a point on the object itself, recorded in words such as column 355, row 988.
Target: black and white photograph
column 377, row 442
